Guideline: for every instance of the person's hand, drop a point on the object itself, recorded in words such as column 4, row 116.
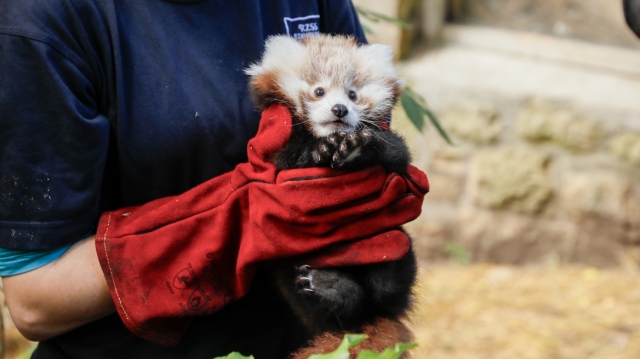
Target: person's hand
column 191, row 254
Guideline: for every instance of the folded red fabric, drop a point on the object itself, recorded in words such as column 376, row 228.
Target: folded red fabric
column 188, row 255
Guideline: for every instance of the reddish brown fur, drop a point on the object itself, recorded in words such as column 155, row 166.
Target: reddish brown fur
column 395, row 87
column 322, row 58
column 265, row 90
column 384, row 333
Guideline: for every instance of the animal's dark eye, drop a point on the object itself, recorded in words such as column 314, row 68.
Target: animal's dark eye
column 352, row 95
column 319, row 92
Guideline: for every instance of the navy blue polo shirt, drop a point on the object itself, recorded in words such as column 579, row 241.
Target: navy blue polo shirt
column 105, row 104
column 112, row 103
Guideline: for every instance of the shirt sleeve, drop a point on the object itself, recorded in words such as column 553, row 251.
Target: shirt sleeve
column 14, row 262
column 53, row 143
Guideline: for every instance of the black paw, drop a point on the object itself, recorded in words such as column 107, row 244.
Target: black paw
column 340, row 148
column 331, row 293
column 327, row 146
column 303, row 279
column 350, row 147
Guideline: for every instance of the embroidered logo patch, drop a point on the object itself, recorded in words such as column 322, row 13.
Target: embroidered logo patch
column 301, row 27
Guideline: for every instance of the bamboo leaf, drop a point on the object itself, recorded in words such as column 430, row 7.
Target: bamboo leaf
column 421, row 103
column 390, row 353
column 413, row 110
column 366, row 29
column 235, row 355
column 342, row 352
column 436, row 124
column 376, row 17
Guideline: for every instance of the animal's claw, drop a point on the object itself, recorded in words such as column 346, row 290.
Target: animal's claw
column 303, row 279
column 349, row 145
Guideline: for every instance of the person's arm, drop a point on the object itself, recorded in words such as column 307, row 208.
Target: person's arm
column 53, row 142
column 62, row 295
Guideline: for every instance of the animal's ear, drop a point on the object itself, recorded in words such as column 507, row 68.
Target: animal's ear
column 283, row 48
column 281, row 55
column 378, row 59
column 263, row 87
column 378, row 53
column 280, row 52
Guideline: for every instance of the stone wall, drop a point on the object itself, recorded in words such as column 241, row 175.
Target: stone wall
column 535, row 181
column 545, row 164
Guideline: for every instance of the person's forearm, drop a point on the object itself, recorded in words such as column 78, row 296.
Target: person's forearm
column 60, row 296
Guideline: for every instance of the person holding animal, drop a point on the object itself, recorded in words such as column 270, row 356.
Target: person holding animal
column 136, row 216
column 340, row 96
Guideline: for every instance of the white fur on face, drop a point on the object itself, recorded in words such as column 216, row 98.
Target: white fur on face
column 323, row 121
column 379, row 95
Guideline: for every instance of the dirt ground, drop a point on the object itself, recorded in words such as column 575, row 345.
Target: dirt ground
column 494, row 312
column 491, row 311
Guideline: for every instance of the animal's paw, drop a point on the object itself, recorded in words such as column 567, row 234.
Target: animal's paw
column 327, row 146
column 350, row 146
column 303, row 279
column 340, row 148
column 323, row 283
column 330, row 292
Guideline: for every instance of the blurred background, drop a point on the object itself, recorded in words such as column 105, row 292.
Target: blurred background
column 529, row 242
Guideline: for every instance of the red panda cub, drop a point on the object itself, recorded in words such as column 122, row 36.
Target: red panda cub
column 340, row 95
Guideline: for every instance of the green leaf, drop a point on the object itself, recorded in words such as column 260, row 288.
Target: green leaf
column 27, row 353
column 403, row 347
column 458, row 253
column 376, row 17
column 413, row 110
column 437, row 125
column 390, row 353
column 342, row 352
column 235, row 355
column 354, row 339
column 367, row 29
column 417, row 100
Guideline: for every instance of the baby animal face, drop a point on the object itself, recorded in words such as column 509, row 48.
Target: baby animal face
column 331, row 83
column 332, row 108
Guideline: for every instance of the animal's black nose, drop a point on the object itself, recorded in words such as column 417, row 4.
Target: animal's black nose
column 340, row 110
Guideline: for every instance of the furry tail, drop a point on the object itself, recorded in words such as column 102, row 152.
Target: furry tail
column 383, row 333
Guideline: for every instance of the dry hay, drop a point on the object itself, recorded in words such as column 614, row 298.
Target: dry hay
column 494, row 312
